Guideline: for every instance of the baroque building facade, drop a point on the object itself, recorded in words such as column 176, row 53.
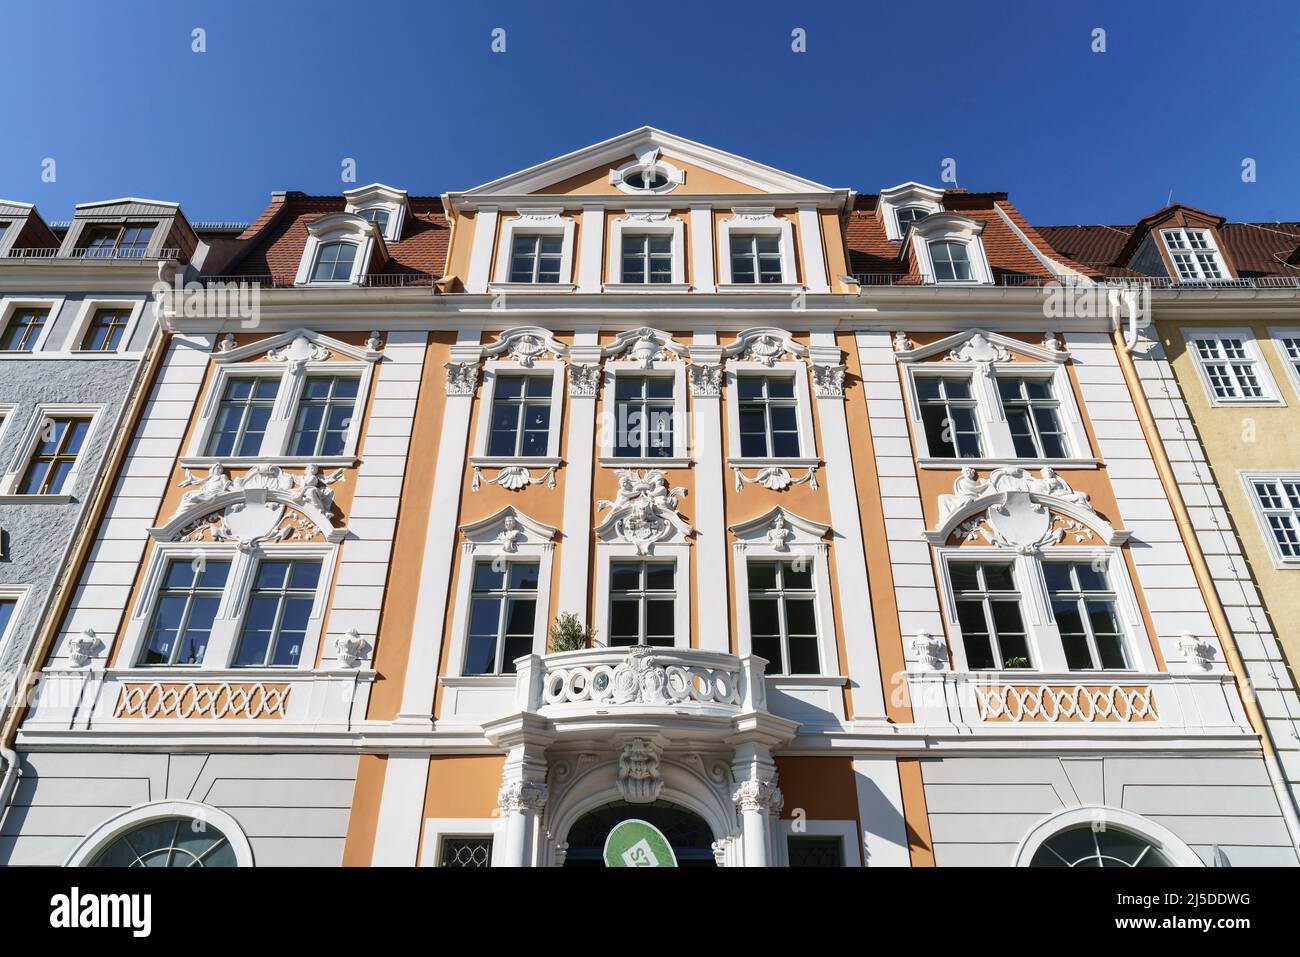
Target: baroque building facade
column 871, row 562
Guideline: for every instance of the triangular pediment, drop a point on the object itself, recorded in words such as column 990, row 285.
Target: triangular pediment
column 305, row 344
column 706, row 169
column 979, row 345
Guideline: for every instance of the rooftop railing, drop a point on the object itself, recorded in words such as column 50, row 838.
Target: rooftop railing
column 52, row 252
column 1025, row 279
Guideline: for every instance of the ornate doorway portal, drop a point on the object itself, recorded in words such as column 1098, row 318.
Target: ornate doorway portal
column 688, row 833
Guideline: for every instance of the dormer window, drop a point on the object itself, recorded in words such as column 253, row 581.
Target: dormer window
column 910, row 214
column 1194, row 254
column 116, row 242
column 382, row 205
column 334, row 262
column 901, row 206
column 377, row 215
column 951, row 261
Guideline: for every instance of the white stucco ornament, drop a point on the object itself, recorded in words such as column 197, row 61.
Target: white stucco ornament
column 644, row 511
column 298, row 353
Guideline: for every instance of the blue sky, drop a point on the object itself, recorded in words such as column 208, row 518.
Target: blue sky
column 885, row 92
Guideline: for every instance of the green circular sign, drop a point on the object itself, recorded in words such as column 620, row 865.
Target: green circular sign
column 636, row 843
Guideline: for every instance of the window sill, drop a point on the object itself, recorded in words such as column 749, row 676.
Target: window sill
column 477, row 681
column 927, row 462
column 15, row 499
column 504, row 461
column 1265, row 403
column 538, row 288
column 646, row 287
column 752, row 288
column 674, row 462
column 808, row 681
column 248, row 461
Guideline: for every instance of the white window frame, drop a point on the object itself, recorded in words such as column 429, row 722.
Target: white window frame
column 846, row 831
column 86, row 312
column 647, row 222
column 1046, row 651
column 438, row 829
column 608, row 424
column 760, row 220
column 1248, row 479
column 1271, row 397
column 664, row 553
column 11, row 304
column 1210, row 249
column 950, row 227
column 18, row 594
column 546, row 221
column 378, row 196
column 339, row 227
column 228, row 624
column 1277, row 334
column 481, row 542
column 1157, row 835
column 22, row 457
column 803, row 412
column 540, row 369
column 279, row 430
column 900, row 197
column 995, row 433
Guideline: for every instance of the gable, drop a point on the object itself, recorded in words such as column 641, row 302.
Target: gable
column 699, row 180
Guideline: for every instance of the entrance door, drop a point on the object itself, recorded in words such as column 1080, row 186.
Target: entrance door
column 689, row 835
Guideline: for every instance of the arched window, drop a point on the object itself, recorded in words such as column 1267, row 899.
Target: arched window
column 1087, row 845
column 334, row 262
column 170, row 842
column 377, row 215
column 910, row 214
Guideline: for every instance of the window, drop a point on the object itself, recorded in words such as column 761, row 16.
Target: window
column 502, row 616
column 815, row 851
column 174, row 842
column 951, row 261
column 769, row 421
column 908, row 215
column 948, row 412
column 643, row 410
column 988, row 611
column 1194, row 254
column 642, row 609
column 1229, row 366
column 782, row 618
column 106, row 329
column 116, row 242
column 324, row 415
column 1289, row 343
column 1278, row 502
column 1083, row 604
column 647, row 258
column 184, row 612
column 755, row 258
column 521, row 415
column 466, row 852
column 23, row 330
column 55, row 456
column 334, row 262
column 535, row 258
column 7, row 607
column 646, row 179
column 377, row 215
column 279, row 607
column 1033, row 416
column 1091, row 846
column 242, row 416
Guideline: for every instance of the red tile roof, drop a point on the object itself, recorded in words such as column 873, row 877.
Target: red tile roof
column 1257, row 249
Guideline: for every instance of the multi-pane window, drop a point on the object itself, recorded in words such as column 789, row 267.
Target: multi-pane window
column 1279, row 504
column 948, row 413
column 7, row 606
column 279, row 606
column 186, row 608
column 57, row 446
column 502, row 616
column 1093, row 846
column 807, row 851
column 1033, row 415
column 377, row 215
column 782, row 616
column 908, row 215
column 988, row 610
column 521, row 415
column 106, row 329
column 242, row 416
column 466, row 852
column 648, row 258
column 769, row 416
column 1229, row 366
column 334, row 262
column 1193, row 254
column 951, row 261
column 756, row 258
column 23, row 330
column 643, row 413
column 115, row 242
column 1291, row 347
column 324, row 415
column 1083, row 604
column 642, row 609
column 536, row 258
